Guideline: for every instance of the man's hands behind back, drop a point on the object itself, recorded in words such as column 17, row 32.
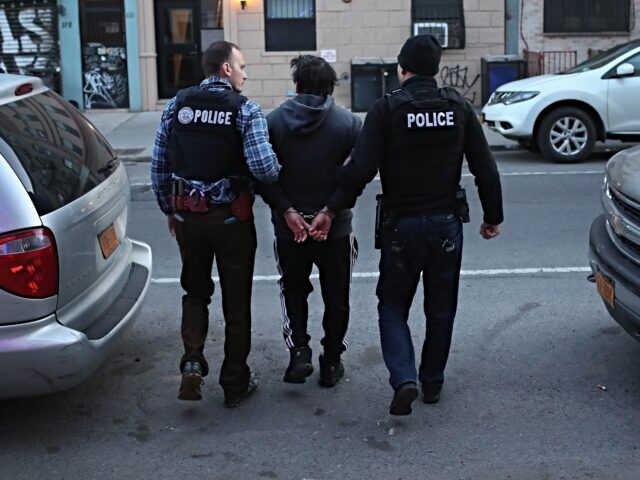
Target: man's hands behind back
column 318, row 230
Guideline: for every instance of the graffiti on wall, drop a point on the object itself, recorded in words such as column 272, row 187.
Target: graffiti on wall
column 458, row 78
column 28, row 43
column 105, row 77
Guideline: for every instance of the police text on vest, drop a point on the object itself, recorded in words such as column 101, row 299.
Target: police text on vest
column 213, row 117
column 430, row 119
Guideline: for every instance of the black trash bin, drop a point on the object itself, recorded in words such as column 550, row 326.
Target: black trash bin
column 498, row 70
column 371, row 78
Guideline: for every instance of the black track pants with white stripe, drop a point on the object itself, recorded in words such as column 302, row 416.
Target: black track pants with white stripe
column 335, row 259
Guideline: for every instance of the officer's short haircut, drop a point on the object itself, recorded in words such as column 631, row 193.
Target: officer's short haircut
column 216, row 55
column 313, row 75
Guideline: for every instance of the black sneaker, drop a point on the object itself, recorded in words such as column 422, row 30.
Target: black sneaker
column 300, row 366
column 330, row 372
column 234, row 400
column 431, row 393
column 191, row 381
column 402, row 398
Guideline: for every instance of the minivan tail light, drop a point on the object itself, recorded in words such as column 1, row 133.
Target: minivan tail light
column 24, row 89
column 29, row 263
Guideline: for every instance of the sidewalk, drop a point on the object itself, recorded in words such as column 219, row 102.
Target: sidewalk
column 132, row 134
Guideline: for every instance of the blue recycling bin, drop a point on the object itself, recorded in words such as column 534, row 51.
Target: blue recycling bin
column 498, row 70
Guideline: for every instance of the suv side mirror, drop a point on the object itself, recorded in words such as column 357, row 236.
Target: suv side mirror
column 625, row 70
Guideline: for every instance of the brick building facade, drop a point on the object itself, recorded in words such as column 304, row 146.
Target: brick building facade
column 553, row 26
column 348, row 32
column 363, row 31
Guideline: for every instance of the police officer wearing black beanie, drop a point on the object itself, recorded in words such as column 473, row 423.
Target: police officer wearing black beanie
column 417, row 136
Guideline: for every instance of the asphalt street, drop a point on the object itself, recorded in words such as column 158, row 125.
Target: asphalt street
column 541, row 382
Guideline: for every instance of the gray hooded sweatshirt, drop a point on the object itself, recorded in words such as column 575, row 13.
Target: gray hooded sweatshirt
column 312, row 137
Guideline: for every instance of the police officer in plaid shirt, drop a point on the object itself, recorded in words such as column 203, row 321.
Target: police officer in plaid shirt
column 210, row 141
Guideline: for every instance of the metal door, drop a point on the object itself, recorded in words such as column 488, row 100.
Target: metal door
column 178, row 45
column 104, row 54
column 29, row 39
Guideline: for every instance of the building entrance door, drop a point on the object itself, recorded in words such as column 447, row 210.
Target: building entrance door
column 104, row 54
column 178, row 45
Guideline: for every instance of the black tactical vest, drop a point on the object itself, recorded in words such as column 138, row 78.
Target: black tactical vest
column 423, row 162
column 205, row 143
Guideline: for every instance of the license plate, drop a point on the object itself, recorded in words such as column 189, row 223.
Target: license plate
column 605, row 289
column 109, row 240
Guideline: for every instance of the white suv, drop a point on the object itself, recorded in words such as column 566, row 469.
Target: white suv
column 564, row 114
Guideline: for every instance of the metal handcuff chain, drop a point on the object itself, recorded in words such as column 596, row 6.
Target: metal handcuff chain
column 310, row 216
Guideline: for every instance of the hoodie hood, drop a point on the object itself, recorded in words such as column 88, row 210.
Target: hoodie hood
column 305, row 113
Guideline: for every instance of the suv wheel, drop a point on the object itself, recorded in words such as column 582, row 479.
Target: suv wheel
column 567, row 135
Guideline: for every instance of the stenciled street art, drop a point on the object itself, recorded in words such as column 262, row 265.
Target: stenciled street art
column 457, row 77
column 105, row 77
column 28, row 43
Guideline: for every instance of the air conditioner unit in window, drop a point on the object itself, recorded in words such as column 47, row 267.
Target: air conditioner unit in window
column 438, row 30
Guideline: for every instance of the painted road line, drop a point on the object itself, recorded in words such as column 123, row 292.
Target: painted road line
column 533, row 174
column 529, row 174
column 464, row 273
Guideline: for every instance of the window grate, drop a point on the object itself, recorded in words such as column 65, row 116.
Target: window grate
column 585, row 16
column 442, row 13
column 290, row 25
column 290, row 9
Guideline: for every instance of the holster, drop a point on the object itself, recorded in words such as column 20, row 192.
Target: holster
column 194, row 202
column 241, row 207
column 197, row 202
column 377, row 241
column 177, row 196
column 462, row 205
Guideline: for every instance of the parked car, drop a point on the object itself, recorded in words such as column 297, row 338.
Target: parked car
column 564, row 114
column 71, row 280
column 614, row 241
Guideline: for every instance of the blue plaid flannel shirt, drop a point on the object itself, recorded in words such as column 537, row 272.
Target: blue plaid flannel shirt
column 251, row 123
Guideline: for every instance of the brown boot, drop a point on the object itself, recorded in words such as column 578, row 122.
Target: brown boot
column 191, row 381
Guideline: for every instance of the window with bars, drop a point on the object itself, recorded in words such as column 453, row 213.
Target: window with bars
column 444, row 19
column 586, row 16
column 290, row 25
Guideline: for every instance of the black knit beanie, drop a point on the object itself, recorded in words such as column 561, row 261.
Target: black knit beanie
column 420, row 54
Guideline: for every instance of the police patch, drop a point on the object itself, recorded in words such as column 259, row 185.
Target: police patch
column 185, row 115
column 430, row 120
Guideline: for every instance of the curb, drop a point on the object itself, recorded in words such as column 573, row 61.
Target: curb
column 135, row 158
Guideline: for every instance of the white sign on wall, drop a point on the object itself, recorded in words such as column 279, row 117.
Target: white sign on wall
column 330, row 56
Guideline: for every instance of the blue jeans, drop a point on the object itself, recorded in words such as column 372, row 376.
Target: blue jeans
column 431, row 245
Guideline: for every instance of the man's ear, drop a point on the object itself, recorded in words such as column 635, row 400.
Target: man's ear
column 225, row 70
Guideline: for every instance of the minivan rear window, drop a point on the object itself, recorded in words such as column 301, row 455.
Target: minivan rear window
column 56, row 152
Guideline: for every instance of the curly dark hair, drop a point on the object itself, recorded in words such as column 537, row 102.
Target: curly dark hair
column 313, row 75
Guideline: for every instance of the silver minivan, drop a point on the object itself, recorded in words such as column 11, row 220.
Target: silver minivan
column 71, row 281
